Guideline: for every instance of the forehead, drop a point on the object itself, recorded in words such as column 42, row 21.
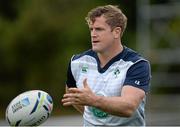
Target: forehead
column 98, row 22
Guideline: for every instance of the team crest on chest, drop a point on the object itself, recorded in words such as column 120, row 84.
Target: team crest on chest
column 116, row 72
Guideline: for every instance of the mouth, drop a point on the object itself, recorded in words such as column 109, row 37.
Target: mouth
column 94, row 42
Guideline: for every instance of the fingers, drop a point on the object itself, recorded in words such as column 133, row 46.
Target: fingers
column 85, row 83
column 76, row 96
column 74, row 90
column 71, row 95
column 70, row 99
column 66, row 102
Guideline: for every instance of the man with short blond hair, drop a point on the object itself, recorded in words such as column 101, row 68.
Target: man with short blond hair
column 109, row 82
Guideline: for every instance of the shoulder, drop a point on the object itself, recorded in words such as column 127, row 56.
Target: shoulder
column 133, row 56
column 139, row 73
column 88, row 53
column 138, row 62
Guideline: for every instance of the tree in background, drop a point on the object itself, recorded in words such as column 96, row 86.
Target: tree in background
column 38, row 37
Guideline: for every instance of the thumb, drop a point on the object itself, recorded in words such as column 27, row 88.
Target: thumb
column 85, row 83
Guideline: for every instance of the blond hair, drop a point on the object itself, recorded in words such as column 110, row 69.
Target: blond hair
column 114, row 16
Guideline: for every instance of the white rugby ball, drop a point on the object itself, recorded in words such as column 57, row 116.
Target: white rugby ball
column 30, row 108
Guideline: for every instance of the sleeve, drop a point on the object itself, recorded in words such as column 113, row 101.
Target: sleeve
column 70, row 82
column 139, row 75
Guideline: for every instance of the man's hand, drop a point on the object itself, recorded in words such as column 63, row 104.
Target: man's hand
column 76, row 96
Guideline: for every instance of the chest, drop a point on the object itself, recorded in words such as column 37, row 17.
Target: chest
column 108, row 83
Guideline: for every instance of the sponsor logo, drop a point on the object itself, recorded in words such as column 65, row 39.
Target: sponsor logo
column 137, row 82
column 25, row 102
column 84, row 69
column 19, row 105
column 97, row 112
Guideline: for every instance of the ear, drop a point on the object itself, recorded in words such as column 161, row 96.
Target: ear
column 117, row 32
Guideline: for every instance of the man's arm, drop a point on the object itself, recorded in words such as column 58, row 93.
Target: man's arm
column 134, row 89
column 123, row 105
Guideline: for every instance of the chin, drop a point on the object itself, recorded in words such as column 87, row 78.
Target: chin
column 98, row 50
column 95, row 49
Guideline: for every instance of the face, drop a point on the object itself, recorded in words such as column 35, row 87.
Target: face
column 102, row 37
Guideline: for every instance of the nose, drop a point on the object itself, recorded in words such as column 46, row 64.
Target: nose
column 93, row 33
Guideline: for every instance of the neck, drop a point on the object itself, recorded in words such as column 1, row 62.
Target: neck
column 105, row 57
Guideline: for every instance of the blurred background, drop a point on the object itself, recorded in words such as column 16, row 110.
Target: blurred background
column 38, row 38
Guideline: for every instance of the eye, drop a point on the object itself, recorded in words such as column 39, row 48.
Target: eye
column 99, row 29
column 91, row 29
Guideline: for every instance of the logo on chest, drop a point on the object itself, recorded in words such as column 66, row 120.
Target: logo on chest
column 84, row 69
column 116, row 72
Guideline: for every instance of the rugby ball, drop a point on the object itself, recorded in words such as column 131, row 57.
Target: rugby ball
column 30, row 108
